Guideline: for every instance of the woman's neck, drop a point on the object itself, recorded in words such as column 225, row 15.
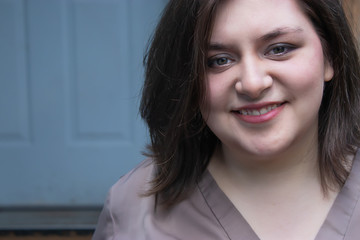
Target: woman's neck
column 294, row 165
column 275, row 195
column 278, row 173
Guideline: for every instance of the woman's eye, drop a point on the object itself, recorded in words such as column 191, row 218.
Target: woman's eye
column 279, row 50
column 222, row 61
column 218, row 61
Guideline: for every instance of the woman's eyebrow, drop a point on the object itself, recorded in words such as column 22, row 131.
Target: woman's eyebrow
column 217, row 46
column 220, row 46
column 280, row 32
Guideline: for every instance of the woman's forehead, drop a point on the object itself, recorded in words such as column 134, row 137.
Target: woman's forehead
column 257, row 18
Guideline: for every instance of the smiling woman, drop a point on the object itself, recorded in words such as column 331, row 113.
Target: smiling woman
column 254, row 125
column 263, row 106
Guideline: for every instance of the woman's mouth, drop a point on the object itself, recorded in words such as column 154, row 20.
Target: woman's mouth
column 259, row 113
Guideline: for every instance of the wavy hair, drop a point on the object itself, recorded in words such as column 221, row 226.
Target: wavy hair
column 174, row 89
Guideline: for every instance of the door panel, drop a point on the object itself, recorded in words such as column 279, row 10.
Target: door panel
column 14, row 96
column 70, row 79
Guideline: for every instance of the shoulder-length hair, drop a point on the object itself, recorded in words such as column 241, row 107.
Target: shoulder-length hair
column 174, row 89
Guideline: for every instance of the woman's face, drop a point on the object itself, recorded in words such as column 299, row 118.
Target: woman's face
column 265, row 77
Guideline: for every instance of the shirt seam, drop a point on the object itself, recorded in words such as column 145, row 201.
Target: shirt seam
column 111, row 215
column 213, row 213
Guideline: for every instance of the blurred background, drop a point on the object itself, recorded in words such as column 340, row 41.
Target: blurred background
column 70, row 79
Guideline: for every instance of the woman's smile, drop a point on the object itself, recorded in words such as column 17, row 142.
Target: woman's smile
column 259, row 113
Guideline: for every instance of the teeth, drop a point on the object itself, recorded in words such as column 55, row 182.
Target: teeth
column 261, row 111
column 255, row 112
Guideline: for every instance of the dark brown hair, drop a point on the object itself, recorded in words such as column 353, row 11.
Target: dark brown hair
column 174, row 88
column 339, row 112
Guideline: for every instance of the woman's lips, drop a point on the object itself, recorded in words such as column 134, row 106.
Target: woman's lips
column 259, row 113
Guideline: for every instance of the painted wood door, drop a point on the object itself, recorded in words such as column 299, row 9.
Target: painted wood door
column 70, row 79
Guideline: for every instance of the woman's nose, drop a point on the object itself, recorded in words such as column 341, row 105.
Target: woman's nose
column 254, row 79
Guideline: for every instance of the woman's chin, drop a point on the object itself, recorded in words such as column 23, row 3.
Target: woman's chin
column 264, row 152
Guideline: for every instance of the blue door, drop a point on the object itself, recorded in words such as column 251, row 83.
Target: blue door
column 70, row 79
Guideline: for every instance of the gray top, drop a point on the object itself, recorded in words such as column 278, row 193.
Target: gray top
column 207, row 213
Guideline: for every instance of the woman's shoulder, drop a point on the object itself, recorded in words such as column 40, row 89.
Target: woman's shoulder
column 135, row 183
column 126, row 201
column 125, row 206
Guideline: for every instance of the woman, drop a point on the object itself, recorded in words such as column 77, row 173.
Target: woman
column 253, row 113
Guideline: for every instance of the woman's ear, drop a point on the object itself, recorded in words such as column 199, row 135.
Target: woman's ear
column 328, row 71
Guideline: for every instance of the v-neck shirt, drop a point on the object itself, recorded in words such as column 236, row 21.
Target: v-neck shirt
column 207, row 213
